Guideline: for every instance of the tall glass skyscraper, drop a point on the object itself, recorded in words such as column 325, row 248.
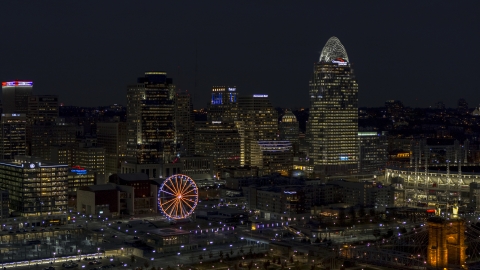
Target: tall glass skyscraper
column 333, row 122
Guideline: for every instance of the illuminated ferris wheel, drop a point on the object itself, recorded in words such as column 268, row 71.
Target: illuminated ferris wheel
column 178, row 196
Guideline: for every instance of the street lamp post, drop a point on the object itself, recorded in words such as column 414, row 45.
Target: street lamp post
column 54, row 257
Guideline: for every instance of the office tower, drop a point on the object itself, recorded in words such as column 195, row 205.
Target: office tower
column 373, row 152
column 272, row 156
column 220, row 140
column 15, row 96
column 42, row 109
column 184, row 124
column 150, row 124
column 260, row 122
column 290, row 130
column 113, row 137
column 333, row 122
column 35, row 187
column 13, row 135
column 41, row 118
column 222, row 106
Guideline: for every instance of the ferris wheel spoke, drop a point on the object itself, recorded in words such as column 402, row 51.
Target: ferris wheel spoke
column 167, row 192
column 166, row 208
column 185, row 210
column 190, row 191
column 173, row 209
column 170, row 209
column 178, row 209
column 183, row 186
column 189, row 205
column 185, row 199
column 175, row 183
column 180, row 206
column 167, row 186
column 169, row 202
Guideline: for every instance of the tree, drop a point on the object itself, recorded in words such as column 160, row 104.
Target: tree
column 132, row 258
column 250, row 265
column 372, row 212
column 210, row 254
column 200, row 257
column 220, row 254
column 146, row 264
column 376, row 233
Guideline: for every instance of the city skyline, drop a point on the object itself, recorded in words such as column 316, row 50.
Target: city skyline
column 404, row 52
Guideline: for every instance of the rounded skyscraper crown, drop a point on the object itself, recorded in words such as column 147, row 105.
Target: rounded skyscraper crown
column 333, row 50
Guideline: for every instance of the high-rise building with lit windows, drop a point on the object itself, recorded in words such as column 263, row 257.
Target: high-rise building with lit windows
column 12, row 135
column 259, row 121
column 289, row 130
column 150, row 124
column 184, row 124
column 223, row 104
column 35, row 188
column 333, row 122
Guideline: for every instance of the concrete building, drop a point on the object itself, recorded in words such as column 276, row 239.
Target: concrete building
column 145, row 191
column 126, row 194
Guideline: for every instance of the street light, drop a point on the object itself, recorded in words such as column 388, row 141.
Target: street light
column 54, row 257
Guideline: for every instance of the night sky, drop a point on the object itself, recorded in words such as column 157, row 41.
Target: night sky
column 88, row 51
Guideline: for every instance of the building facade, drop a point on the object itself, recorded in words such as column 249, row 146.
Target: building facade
column 373, row 151
column 220, row 140
column 35, row 188
column 333, row 121
column 13, row 136
column 260, row 123
column 184, row 124
column 150, row 120
column 113, row 138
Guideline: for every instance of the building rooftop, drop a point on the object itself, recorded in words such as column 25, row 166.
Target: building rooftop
column 133, row 176
column 102, row 187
